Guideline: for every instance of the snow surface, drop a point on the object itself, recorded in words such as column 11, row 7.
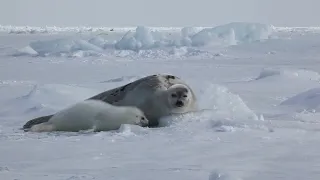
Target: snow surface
column 257, row 87
column 143, row 39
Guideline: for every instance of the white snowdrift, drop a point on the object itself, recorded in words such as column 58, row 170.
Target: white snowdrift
column 269, row 73
column 245, row 32
column 229, row 34
column 61, row 47
column 143, row 39
column 221, row 100
column 233, row 33
column 220, row 110
column 45, row 99
column 308, row 100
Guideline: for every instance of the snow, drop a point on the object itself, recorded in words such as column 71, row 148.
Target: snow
column 54, row 29
column 221, row 100
column 308, row 100
column 143, row 39
column 257, row 91
column 233, row 33
column 60, row 47
column 288, row 73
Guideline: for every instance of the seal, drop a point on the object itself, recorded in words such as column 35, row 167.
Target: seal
column 92, row 114
column 156, row 95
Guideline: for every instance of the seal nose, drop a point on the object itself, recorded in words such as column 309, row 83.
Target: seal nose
column 144, row 121
column 179, row 103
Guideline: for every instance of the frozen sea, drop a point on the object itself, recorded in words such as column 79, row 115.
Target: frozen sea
column 257, row 86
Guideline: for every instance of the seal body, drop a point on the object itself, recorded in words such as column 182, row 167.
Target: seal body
column 92, row 114
column 156, row 95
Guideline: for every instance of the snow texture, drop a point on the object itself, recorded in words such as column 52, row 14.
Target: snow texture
column 143, row 39
column 257, row 87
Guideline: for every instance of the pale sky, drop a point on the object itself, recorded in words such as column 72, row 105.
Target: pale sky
column 158, row 12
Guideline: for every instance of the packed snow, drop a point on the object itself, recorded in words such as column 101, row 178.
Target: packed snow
column 257, row 87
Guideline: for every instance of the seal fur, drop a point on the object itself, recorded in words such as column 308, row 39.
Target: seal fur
column 147, row 94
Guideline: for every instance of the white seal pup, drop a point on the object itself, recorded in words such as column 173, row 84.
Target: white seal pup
column 156, row 95
column 93, row 115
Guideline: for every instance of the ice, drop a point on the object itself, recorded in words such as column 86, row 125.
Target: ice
column 155, row 43
column 142, row 39
column 26, row 51
column 220, row 111
column 99, row 41
column 233, row 33
column 190, row 31
column 258, row 100
column 221, row 100
column 230, row 34
column 63, row 47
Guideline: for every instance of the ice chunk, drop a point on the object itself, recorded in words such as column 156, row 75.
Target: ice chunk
column 99, row 41
column 220, row 99
column 233, row 33
column 26, row 51
column 145, row 42
column 189, row 31
column 141, row 39
column 62, row 46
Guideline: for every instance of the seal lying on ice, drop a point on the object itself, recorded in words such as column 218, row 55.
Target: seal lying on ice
column 92, row 114
column 156, row 95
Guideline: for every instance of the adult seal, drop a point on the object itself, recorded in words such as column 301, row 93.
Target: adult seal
column 156, row 95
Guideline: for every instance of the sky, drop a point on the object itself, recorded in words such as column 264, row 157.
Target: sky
column 158, row 12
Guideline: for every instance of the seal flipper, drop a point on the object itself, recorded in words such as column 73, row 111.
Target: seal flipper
column 37, row 120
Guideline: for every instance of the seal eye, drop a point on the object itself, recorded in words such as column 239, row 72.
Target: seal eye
column 142, row 118
column 173, row 95
column 185, row 96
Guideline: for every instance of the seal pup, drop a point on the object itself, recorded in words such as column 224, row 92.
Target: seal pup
column 156, row 95
column 92, row 114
